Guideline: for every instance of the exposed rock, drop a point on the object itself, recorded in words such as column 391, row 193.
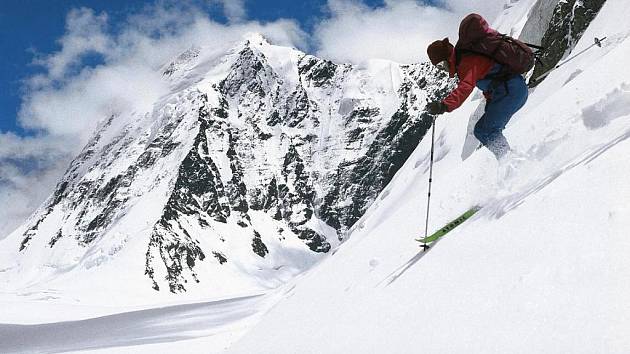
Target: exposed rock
column 569, row 21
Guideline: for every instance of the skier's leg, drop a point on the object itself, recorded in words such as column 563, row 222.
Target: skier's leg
column 499, row 110
column 490, row 127
column 519, row 92
column 499, row 145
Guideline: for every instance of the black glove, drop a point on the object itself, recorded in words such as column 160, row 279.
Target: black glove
column 436, row 107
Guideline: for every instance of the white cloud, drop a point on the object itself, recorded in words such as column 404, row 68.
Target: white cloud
column 29, row 169
column 84, row 35
column 400, row 30
column 234, row 10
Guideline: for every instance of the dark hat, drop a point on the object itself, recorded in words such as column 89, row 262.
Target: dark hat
column 439, row 51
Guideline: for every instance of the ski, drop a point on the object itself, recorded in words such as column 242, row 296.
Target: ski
column 450, row 226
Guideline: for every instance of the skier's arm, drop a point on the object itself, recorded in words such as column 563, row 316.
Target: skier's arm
column 471, row 69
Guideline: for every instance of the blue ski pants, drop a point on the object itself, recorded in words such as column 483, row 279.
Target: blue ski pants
column 506, row 98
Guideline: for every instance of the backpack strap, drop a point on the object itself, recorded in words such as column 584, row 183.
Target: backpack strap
column 542, row 49
column 458, row 57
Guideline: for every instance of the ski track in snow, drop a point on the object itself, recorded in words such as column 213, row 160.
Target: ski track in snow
column 393, row 276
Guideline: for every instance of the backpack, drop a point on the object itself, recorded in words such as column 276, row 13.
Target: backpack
column 476, row 36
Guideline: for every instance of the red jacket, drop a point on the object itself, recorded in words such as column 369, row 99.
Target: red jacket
column 471, row 69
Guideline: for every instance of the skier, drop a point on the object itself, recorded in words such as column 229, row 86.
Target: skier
column 505, row 91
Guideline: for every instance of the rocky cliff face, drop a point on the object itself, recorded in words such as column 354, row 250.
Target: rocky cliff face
column 569, row 21
column 258, row 160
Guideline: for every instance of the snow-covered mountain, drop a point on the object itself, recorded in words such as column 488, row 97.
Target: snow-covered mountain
column 254, row 165
column 542, row 268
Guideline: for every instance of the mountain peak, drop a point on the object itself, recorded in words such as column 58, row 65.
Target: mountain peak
column 255, row 38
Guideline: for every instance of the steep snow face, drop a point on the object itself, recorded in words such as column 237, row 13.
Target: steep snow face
column 542, row 268
column 255, row 165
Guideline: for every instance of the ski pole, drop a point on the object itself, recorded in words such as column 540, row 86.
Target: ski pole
column 426, row 225
column 598, row 42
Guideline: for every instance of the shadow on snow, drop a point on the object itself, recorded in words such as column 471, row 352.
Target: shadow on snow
column 166, row 324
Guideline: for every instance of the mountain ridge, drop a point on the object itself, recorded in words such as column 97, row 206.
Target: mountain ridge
column 303, row 143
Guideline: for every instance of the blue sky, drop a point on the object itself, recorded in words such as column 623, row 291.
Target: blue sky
column 33, row 26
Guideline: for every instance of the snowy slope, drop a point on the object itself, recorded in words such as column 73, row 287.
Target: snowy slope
column 542, row 268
